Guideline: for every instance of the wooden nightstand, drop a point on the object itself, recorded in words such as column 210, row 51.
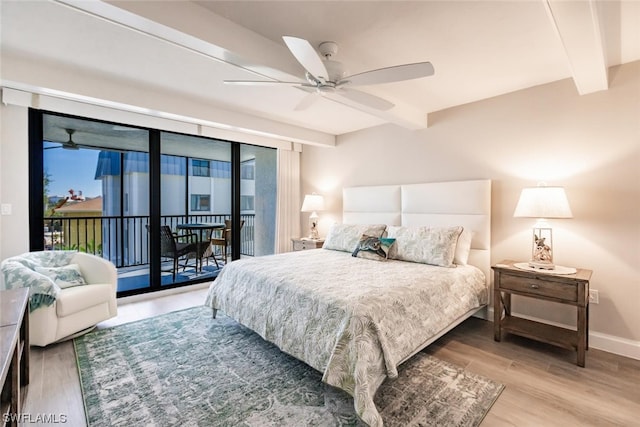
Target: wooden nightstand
column 301, row 244
column 572, row 289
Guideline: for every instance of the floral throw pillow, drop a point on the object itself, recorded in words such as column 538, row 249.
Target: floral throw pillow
column 65, row 276
column 427, row 245
column 373, row 247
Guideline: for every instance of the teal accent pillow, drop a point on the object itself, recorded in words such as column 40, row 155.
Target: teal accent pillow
column 65, row 277
column 373, row 247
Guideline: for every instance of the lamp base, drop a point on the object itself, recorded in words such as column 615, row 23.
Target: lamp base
column 541, row 265
column 542, row 252
column 313, row 231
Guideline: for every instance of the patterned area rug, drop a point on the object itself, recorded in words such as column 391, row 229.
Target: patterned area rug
column 187, row 369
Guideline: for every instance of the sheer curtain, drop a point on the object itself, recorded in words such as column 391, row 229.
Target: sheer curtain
column 288, row 204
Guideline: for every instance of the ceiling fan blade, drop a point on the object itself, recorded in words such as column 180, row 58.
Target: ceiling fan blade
column 391, row 74
column 64, row 146
column 307, row 56
column 260, row 83
column 364, row 98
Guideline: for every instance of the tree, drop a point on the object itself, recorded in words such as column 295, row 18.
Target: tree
column 46, row 182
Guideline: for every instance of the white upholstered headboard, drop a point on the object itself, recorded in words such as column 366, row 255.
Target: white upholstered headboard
column 466, row 203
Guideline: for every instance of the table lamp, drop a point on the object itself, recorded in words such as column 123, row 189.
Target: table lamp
column 542, row 202
column 312, row 203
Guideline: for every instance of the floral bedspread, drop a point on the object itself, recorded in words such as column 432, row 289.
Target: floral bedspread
column 353, row 319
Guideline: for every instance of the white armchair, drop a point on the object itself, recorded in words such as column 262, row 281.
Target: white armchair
column 62, row 313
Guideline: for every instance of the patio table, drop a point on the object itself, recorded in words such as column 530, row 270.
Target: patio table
column 201, row 229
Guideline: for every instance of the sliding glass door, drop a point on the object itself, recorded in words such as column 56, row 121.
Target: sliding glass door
column 195, row 195
column 96, row 193
column 112, row 189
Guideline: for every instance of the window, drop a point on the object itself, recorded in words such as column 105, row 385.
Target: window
column 200, row 167
column 221, row 169
column 200, row 202
column 246, row 203
column 247, row 170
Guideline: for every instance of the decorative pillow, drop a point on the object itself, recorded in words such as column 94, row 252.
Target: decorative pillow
column 345, row 237
column 426, row 245
column 372, row 247
column 65, row 277
column 463, row 247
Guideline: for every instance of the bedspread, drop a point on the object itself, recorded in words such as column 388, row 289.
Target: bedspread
column 350, row 318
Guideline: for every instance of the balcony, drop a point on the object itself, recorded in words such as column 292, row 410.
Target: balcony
column 124, row 240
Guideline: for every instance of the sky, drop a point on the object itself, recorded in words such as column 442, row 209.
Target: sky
column 72, row 169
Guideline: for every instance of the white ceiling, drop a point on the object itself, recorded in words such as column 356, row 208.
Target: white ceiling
column 479, row 49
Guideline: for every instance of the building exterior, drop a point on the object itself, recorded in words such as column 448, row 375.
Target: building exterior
column 191, row 188
column 79, row 226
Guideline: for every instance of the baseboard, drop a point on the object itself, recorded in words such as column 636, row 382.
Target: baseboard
column 609, row 343
column 485, row 313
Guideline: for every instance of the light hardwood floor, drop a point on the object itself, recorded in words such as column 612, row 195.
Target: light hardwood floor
column 544, row 387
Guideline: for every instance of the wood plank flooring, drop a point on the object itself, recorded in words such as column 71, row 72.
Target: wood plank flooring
column 544, row 387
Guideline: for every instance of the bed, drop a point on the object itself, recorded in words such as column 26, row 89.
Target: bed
column 356, row 319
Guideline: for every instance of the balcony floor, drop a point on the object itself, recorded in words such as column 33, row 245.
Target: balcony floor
column 137, row 277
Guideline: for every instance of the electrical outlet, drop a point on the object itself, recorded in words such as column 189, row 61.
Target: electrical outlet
column 593, row 297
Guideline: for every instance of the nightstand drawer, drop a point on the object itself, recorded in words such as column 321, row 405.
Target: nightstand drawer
column 304, row 244
column 540, row 287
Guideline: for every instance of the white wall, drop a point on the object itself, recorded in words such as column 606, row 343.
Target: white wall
column 14, row 180
column 588, row 144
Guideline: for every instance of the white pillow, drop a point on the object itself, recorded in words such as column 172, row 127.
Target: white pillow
column 463, row 247
column 426, row 245
column 345, row 237
column 65, row 276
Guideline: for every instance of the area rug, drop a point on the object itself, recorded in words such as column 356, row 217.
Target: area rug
column 187, row 369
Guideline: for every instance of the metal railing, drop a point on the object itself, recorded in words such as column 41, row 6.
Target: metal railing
column 124, row 240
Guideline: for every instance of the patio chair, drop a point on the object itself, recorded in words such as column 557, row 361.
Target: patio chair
column 223, row 241
column 174, row 247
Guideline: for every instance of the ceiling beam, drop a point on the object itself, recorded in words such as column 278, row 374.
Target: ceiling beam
column 578, row 25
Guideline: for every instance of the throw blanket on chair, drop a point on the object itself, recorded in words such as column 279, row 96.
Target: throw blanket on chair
column 20, row 271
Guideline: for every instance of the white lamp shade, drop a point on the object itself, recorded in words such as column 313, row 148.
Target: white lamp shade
column 543, row 202
column 312, row 203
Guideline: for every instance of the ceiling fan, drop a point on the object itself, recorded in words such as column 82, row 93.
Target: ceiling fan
column 67, row 145
column 327, row 77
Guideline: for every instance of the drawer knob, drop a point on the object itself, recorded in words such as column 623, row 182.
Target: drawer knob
column 534, row 286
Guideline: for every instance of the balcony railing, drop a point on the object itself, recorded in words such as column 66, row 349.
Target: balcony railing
column 125, row 240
